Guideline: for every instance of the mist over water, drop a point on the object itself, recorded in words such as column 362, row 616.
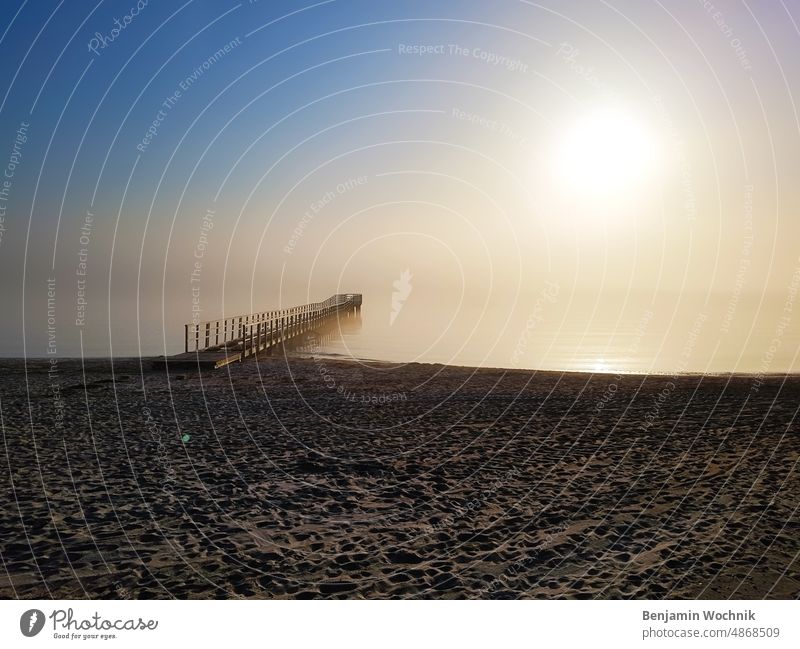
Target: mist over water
column 421, row 317
column 548, row 340
column 413, row 318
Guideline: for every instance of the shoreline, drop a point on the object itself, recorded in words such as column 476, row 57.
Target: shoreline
column 295, row 356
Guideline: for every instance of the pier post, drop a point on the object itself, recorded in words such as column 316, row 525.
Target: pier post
column 271, row 340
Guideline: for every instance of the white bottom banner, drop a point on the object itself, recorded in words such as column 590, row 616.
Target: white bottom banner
column 399, row 623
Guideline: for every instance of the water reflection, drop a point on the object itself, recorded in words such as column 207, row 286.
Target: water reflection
column 327, row 336
column 457, row 336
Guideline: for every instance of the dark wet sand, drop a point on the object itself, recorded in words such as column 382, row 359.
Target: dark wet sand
column 334, row 479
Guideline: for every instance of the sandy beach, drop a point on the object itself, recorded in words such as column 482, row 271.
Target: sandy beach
column 320, row 478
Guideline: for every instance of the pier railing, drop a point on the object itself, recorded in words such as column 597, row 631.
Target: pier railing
column 253, row 332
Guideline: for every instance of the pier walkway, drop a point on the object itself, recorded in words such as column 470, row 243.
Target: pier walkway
column 216, row 343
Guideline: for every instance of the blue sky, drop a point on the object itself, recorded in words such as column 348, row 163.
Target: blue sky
column 311, row 95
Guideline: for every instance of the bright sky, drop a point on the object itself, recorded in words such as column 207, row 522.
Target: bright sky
column 640, row 156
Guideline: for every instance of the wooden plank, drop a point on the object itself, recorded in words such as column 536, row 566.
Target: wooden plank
column 194, row 360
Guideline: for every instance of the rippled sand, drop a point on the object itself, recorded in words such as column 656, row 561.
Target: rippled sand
column 324, row 478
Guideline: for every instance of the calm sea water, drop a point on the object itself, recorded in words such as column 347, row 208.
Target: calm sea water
column 537, row 334
column 642, row 344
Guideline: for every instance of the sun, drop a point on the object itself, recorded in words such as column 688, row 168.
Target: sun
column 606, row 152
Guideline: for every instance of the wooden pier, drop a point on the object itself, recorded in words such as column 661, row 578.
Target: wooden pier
column 216, row 343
